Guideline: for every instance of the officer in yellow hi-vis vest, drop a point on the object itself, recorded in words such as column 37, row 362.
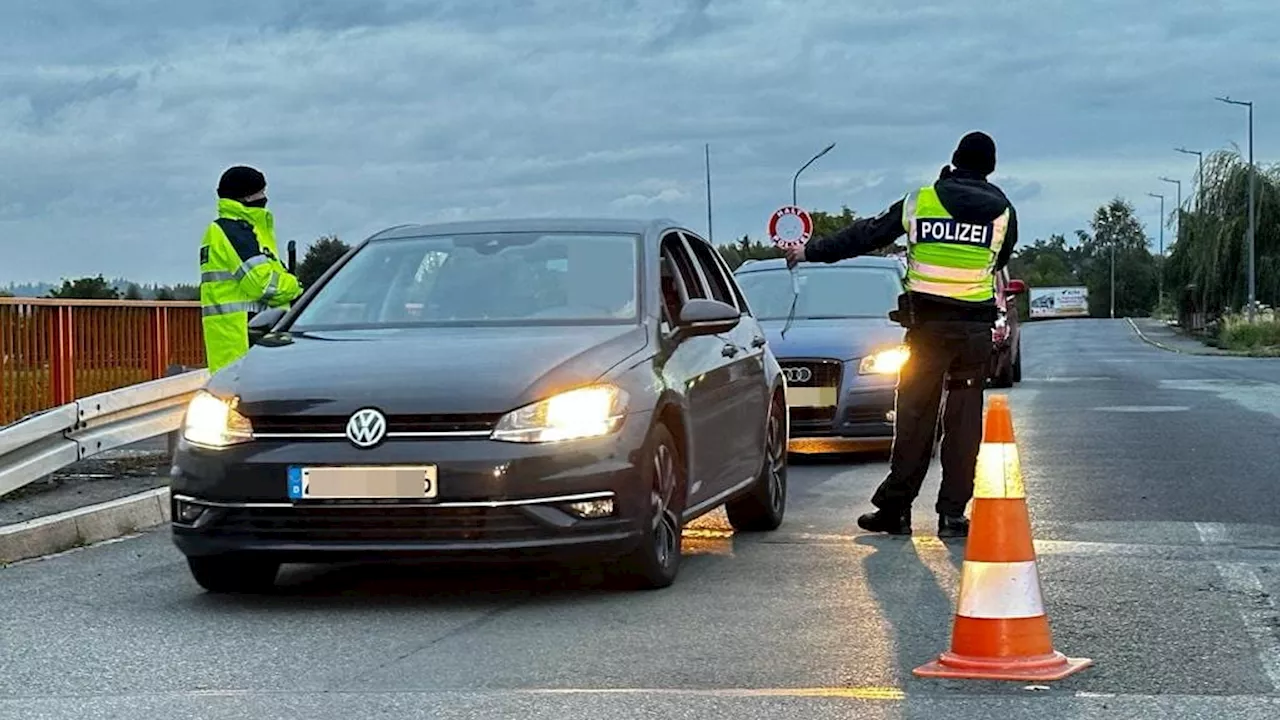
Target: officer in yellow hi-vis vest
column 240, row 270
column 960, row 232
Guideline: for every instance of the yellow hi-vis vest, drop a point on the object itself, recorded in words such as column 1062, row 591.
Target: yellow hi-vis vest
column 946, row 257
column 240, row 275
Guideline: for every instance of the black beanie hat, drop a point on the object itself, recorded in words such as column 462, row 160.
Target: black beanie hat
column 240, row 182
column 976, row 152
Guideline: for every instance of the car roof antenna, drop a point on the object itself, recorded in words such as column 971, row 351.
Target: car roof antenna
column 795, row 296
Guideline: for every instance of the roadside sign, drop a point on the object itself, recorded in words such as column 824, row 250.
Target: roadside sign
column 790, row 226
column 1057, row 302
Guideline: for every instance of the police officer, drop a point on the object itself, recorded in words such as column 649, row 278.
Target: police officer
column 240, row 269
column 960, row 232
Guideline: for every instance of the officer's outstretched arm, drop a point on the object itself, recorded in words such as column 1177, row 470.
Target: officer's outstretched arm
column 861, row 237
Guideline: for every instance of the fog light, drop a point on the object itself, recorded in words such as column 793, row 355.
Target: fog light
column 591, row 509
column 188, row 512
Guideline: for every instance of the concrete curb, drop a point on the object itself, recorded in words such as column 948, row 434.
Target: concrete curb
column 83, row 526
column 1143, row 336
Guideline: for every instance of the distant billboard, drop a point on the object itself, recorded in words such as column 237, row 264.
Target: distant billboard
column 1055, row 302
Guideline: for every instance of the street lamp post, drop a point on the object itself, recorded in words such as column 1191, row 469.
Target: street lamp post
column 1252, row 298
column 1160, row 266
column 1199, row 175
column 825, row 150
column 1113, row 279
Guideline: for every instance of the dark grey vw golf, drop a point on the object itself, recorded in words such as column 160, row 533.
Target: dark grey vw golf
column 488, row 390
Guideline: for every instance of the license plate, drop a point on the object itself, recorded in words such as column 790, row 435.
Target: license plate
column 811, row 396
column 363, row 483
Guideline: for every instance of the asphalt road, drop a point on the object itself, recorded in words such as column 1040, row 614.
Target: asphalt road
column 1152, row 481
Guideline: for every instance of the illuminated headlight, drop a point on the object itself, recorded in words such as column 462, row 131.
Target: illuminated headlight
column 587, row 412
column 592, row 509
column 885, row 362
column 214, row 423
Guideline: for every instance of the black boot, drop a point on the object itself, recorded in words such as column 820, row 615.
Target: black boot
column 953, row 526
column 886, row 522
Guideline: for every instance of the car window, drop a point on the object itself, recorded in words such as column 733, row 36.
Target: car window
column 705, row 257
column 674, row 249
column 825, row 292
column 501, row 278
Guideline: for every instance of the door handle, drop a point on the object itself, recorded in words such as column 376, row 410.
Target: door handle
column 729, row 350
column 758, row 341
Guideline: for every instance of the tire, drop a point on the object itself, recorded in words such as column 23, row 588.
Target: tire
column 762, row 508
column 655, row 562
column 1017, row 365
column 233, row 574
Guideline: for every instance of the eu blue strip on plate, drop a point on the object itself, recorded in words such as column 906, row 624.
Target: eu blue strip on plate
column 295, row 483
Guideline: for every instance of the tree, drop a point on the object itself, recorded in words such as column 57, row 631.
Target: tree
column 133, row 292
column 5, row 293
column 321, row 255
column 163, row 294
column 86, row 288
column 1116, row 228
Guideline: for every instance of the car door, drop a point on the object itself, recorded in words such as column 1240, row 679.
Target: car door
column 699, row 367
column 744, row 424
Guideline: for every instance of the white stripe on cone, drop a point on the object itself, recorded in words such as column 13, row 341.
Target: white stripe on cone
column 1000, row 591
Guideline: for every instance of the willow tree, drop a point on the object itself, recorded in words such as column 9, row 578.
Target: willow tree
column 1209, row 264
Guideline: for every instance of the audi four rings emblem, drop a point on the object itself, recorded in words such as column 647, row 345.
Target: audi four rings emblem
column 366, row 428
column 797, row 374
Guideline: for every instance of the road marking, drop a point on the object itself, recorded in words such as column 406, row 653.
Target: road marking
column 1142, row 408
column 1212, row 533
column 1257, row 609
column 854, row 693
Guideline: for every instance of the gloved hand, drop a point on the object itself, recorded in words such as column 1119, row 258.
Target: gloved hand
column 795, row 256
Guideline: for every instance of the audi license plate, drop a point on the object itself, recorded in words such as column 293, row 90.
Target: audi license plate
column 811, row 396
column 363, row 483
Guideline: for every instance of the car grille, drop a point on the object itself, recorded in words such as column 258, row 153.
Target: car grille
column 809, row 416
column 822, row 373
column 389, row 523
column 331, row 424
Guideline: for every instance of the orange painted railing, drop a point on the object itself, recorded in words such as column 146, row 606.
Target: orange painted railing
column 53, row 351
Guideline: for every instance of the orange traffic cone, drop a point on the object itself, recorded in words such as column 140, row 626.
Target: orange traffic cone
column 1000, row 631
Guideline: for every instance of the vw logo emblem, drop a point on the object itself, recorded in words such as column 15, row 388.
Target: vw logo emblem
column 797, row 374
column 366, row 428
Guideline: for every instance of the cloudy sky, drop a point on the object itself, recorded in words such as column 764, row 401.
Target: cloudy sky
column 117, row 116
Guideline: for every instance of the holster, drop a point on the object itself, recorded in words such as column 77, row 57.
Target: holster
column 905, row 314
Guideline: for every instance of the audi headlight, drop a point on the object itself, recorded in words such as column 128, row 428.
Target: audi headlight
column 885, row 362
column 586, row 412
column 214, row 423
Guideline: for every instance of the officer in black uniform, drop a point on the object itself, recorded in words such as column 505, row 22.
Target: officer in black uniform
column 960, row 231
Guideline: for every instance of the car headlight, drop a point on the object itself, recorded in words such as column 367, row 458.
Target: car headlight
column 885, row 362
column 213, row 422
column 586, row 412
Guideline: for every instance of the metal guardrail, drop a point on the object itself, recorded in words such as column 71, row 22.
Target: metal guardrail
column 49, row 441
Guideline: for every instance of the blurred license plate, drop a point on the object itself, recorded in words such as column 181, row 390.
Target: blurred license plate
column 362, row 483
column 811, row 396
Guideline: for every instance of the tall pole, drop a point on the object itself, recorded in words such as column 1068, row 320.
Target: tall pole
column 1252, row 219
column 796, row 177
column 1113, row 279
column 1199, row 174
column 710, row 237
column 1160, row 265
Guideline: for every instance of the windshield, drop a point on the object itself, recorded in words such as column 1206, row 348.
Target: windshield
column 825, row 292
column 520, row 278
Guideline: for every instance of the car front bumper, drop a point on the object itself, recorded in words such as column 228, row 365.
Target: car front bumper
column 496, row 500
column 861, row 419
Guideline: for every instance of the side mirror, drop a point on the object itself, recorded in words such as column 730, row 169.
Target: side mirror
column 707, row 317
column 261, row 324
column 292, row 252
column 1016, row 287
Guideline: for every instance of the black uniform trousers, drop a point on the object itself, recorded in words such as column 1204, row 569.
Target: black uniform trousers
column 948, row 356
